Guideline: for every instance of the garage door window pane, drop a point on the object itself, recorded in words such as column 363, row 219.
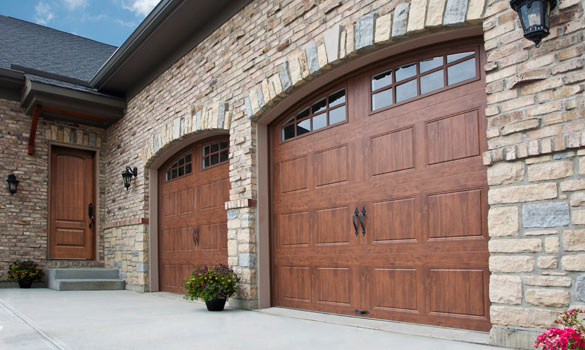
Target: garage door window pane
column 382, row 99
column 430, row 63
column 304, row 127
column 381, row 80
column 337, row 115
column 320, row 121
column 405, row 72
column 337, row 98
column 218, row 154
column 457, row 56
column 406, row 91
column 431, row 82
column 288, row 132
column 461, row 71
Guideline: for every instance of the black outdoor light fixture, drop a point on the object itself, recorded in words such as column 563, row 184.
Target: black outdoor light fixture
column 12, row 183
column 535, row 17
column 127, row 176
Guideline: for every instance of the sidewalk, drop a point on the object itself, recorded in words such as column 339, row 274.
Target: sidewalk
column 39, row 319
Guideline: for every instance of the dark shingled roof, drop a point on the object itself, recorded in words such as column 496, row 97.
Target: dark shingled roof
column 48, row 50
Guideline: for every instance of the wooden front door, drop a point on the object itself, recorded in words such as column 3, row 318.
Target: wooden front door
column 194, row 186
column 72, row 193
column 380, row 194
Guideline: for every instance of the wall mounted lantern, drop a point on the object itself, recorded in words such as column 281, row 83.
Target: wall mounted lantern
column 12, row 183
column 535, row 17
column 127, row 176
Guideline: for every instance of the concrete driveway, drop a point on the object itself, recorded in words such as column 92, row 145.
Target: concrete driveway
column 42, row 319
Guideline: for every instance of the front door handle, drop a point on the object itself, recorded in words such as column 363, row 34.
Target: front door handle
column 362, row 214
column 196, row 237
column 90, row 214
column 355, row 226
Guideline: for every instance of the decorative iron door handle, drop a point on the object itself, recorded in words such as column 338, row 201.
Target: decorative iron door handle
column 90, row 214
column 362, row 214
column 355, row 226
column 196, row 237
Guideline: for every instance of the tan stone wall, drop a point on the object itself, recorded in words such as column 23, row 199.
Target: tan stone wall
column 24, row 216
column 126, row 249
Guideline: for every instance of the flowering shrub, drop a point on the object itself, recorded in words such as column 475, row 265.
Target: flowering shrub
column 211, row 282
column 570, row 337
column 25, row 271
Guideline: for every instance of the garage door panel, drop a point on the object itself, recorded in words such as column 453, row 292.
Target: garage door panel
column 186, row 200
column 293, row 229
column 170, row 204
column 209, row 237
column 209, row 195
column 333, row 226
column 331, row 166
column 294, row 174
column 455, row 214
column 333, row 285
column 295, row 283
column 185, row 239
column 393, row 221
column 457, row 292
column 453, row 137
column 395, row 289
column 392, row 152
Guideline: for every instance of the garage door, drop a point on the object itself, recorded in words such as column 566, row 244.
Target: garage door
column 380, row 196
column 194, row 185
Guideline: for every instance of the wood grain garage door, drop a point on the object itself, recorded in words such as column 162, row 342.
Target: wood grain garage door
column 194, row 185
column 380, row 195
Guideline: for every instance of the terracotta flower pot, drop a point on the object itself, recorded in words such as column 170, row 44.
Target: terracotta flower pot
column 215, row 304
column 24, row 284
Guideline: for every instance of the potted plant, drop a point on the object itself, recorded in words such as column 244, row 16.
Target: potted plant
column 213, row 284
column 571, row 335
column 25, row 272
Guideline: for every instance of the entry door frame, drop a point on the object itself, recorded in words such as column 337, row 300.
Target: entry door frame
column 96, row 200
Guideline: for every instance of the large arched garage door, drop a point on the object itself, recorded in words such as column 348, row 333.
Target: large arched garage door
column 194, row 185
column 380, row 196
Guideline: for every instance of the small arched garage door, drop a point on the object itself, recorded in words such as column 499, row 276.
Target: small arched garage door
column 380, row 195
column 193, row 185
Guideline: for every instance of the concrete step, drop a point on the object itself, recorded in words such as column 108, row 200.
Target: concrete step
column 87, row 284
column 83, row 273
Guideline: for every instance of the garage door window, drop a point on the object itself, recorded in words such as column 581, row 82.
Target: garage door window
column 179, row 168
column 325, row 111
column 403, row 83
column 214, row 154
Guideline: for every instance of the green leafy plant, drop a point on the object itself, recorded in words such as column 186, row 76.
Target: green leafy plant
column 25, row 271
column 211, row 282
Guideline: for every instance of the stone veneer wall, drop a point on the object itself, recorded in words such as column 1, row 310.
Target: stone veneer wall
column 270, row 49
column 24, row 216
column 535, row 135
column 126, row 249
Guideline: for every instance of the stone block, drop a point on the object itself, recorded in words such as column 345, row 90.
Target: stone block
column 573, row 262
column 578, row 199
column 507, row 264
column 312, row 57
column 475, row 10
column 417, row 15
column 548, row 281
column 551, row 245
column 436, row 8
column 505, row 173
column 574, row 240
column 547, row 262
column 547, row 297
column 383, row 28
column 573, row 185
column 580, row 287
column 523, row 193
column 521, row 316
column 505, row 289
column 503, row 221
column 578, row 217
column 550, row 214
column 400, row 19
column 364, row 31
column 455, row 11
column 530, row 245
column 331, row 40
column 550, row 170
column 247, row 260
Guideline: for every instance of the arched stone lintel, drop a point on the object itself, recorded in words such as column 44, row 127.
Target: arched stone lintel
column 202, row 121
column 372, row 31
